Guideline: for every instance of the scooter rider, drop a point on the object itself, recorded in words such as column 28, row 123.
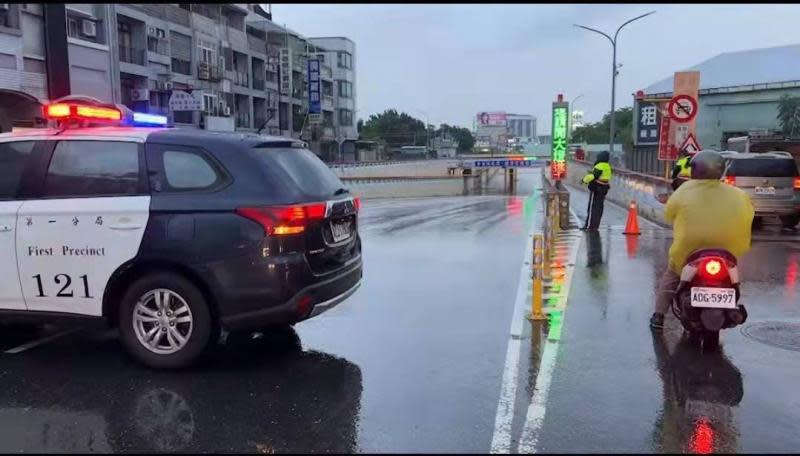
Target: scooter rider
column 682, row 171
column 705, row 213
column 598, row 180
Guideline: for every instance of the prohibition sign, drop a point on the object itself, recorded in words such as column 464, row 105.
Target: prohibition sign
column 682, row 108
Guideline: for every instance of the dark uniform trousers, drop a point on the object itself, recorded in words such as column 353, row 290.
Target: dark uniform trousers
column 597, row 197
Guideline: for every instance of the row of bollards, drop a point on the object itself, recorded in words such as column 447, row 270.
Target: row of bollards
column 543, row 247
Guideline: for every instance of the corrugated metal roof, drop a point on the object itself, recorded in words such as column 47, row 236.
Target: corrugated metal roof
column 742, row 68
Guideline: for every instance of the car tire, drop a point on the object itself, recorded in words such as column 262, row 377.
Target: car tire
column 186, row 334
column 790, row 221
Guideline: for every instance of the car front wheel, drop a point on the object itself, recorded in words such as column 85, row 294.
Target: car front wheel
column 165, row 321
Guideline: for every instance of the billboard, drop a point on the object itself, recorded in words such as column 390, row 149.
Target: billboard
column 491, row 119
column 648, row 120
column 560, row 139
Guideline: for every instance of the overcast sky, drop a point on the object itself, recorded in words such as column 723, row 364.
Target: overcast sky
column 452, row 61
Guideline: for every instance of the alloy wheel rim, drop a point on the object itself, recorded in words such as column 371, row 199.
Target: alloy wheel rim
column 162, row 321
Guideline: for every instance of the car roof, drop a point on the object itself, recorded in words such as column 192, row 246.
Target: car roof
column 748, row 155
column 187, row 136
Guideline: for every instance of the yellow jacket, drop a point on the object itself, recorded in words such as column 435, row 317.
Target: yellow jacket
column 708, row 214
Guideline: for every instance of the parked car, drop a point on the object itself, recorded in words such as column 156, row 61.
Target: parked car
column 170, row 234
column 772, row 181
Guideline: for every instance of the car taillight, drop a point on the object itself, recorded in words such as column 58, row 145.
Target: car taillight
column 797, row 183
column 730, row 180
column 284, row 220
column 357, row 203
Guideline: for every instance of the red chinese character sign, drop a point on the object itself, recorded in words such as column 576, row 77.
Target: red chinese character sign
column 560, row 139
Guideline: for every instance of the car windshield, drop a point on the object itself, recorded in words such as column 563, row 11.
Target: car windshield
column 763, row 167
column 304, row 169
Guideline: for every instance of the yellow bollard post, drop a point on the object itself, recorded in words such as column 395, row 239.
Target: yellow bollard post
column 548, row 243
column 536, row 289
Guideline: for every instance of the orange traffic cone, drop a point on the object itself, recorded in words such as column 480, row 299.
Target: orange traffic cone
column 632, row 227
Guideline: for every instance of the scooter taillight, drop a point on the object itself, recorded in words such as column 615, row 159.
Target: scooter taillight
column 713, row 269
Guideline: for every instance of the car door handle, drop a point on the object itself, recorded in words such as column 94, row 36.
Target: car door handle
column 125, row 226
column 4, row 228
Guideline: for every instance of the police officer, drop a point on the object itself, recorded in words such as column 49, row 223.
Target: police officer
column 598, row 180
column 682, row 171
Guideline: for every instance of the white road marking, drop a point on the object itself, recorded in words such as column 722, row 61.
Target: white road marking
column 538, row 406
column 37, row 342
column 501, row 438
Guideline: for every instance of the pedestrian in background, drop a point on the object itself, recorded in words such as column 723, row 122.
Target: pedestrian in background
column 598, row 180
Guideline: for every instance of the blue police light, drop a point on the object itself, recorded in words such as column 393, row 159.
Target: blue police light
column 141, row 118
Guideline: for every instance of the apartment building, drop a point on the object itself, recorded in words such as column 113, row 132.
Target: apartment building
column 242, row 70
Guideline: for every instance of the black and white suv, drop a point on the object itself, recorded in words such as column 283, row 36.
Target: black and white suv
column 172, row 234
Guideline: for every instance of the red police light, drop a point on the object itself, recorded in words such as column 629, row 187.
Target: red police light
column 67, row 111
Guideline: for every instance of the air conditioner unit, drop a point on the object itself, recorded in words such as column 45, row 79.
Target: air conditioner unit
column 88, row 28
column 168, row 85
column 151, row 31
column 227, row 110
column 140, row 94
column 161, row 33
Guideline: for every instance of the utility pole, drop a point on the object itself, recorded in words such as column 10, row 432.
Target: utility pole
column 614, row 72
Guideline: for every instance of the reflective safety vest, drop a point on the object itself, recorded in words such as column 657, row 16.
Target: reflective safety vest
column 685, row 168
column 605, row 174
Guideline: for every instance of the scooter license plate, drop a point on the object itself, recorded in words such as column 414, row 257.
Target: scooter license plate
column 720, row 298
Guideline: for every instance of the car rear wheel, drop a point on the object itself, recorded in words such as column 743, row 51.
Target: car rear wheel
column 165, row 321
column 790, row 221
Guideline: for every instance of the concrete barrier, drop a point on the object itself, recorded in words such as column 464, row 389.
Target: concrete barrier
column 627, row 186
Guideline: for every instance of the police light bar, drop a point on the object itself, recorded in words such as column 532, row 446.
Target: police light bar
column 113, row 114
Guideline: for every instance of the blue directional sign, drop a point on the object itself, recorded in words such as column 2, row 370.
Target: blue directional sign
column 510, row 163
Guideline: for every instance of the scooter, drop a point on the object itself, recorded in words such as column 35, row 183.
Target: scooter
column 707, row 298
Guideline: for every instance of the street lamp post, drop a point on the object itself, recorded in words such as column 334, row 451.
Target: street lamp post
column 571, row 109
column 613, row 71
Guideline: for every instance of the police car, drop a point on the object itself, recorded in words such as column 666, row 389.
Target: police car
column 172, row 235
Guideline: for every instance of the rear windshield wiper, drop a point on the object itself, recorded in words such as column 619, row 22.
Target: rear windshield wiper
column 341, row 191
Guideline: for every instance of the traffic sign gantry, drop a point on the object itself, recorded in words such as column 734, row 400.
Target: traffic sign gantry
column 510, row 163
column 682, row 108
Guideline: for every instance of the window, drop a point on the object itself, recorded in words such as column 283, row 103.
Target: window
column 188, row 171
column 345, row 117
column 345, row 60
column 345, row 89
column 302, row 168
column 93, row 168
column 209, row 103
column 763, row 167
column 13, row 157
column 33, row 65
column 8, row 61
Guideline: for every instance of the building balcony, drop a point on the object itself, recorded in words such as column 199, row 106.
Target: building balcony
column 131, row 55
column 207, row 72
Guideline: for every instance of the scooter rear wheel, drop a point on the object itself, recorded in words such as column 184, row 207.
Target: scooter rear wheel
column 710, row 340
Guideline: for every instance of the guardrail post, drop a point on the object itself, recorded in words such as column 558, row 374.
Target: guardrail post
column 536, row 289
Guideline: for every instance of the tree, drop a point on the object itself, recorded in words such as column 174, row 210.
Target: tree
column 597, row 133
column 789, row 115
column 397, row 129
column 464, row 137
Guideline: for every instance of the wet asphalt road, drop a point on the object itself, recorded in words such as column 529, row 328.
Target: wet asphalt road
column 615, row 387
column 412, row 362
